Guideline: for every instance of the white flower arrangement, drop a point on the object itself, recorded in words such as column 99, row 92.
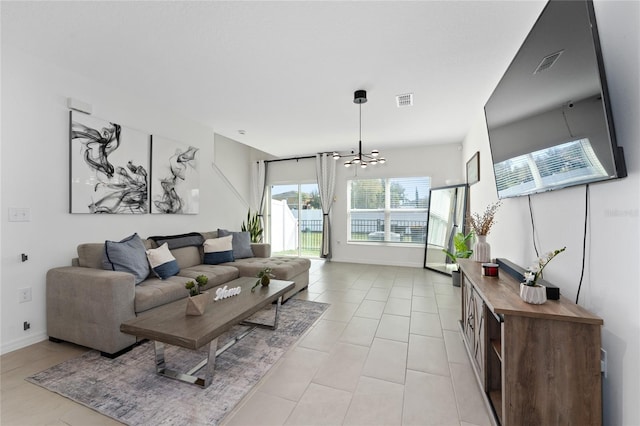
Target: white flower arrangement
column 535, row 271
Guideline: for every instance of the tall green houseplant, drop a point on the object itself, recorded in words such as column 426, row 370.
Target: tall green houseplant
column 461, row 244
column 253, row 226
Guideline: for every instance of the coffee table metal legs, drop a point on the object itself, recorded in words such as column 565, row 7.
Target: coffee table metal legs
column 204, row 380
column 275, row 319
column 207, row 365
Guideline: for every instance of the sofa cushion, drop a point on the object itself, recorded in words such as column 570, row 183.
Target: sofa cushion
column 241, row 243
column 209, row 234
column 155, row 292
column 218, row 250
column 217, row 274
column 128, row 255
column 162, row 262
column 188, row 256
column 284, row 268
column 90, row 255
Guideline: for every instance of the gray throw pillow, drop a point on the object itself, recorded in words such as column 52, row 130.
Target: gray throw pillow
column 128, row 255
column 241, row 243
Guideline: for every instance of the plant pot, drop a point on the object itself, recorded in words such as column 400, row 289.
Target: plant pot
column 482, row 250
column 265, row 280
column 534, row 294
column 196, row 305
column 456, row 278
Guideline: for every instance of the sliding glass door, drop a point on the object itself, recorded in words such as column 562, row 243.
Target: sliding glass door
column 295, row 220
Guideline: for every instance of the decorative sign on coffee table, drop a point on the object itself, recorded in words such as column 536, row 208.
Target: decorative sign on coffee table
column 224, row 292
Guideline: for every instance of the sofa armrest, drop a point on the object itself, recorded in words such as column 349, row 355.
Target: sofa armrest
column 86, row 306
column 261, row 249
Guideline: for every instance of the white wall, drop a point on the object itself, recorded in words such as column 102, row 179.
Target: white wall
column 611, row 284
column 35, row 175
column 441, row 162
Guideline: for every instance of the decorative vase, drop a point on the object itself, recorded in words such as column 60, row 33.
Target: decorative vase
column 534, row 294
column 265, row 280
column 196, row 305
column 482, row 250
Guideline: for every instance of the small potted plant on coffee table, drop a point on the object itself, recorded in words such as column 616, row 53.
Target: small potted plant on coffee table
column 264, row 278
column 198, row 301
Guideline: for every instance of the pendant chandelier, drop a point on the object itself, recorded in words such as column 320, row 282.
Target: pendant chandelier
column 360, row 158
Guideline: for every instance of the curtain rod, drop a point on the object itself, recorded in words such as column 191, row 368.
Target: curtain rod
column 305, row 157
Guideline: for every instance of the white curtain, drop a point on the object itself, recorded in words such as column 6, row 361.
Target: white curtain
column 258, row 188
column 326, row 173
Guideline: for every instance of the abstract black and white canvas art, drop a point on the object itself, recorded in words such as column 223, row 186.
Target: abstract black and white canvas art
column 175, row 184
column 109, row 165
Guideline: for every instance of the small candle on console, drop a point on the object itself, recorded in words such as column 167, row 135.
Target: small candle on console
column 490, row 269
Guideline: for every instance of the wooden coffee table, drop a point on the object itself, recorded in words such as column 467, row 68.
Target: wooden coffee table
column 169, row 324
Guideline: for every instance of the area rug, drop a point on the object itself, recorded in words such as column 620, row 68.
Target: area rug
column 128, row 390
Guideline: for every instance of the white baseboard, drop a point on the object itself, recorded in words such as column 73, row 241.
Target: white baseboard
column 387, row 263
column 22, row 342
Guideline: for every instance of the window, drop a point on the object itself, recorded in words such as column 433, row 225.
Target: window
column 295, row 220
column 388, row 209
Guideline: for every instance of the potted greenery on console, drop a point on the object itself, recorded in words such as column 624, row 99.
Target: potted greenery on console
column 462, row 251
column 198, row 301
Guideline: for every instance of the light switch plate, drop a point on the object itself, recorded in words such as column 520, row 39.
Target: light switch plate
column 19, row 214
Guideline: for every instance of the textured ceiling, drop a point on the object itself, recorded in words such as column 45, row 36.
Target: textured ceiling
column 285, row 72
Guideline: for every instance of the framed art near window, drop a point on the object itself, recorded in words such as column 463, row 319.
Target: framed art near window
column 473, row 169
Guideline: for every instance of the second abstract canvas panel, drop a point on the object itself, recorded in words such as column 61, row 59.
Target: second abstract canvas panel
column 175, row 177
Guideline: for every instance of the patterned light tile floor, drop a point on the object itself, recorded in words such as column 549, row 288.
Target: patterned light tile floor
column 387, row 352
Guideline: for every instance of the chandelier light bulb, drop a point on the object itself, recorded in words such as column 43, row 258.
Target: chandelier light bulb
column 347, row 163
column 373, row 162
column 363, row 165
column 375, row 153
column 336, row 155
column 382, row 160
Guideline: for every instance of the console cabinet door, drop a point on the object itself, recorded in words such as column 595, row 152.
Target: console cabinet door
column 474, row 325
column 469, row 314
column 479, row 338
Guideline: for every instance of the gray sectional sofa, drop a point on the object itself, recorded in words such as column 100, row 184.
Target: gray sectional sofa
column 86, row 303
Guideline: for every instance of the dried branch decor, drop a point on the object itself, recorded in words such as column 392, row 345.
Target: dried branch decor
column 482, row 224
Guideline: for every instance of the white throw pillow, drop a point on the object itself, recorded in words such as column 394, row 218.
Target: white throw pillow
column 162, row 262
column 218, row 250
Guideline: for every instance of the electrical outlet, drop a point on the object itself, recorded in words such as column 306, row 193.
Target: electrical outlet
column 26, row 325
column 603, row 362
column 19, row 214
column 24, row 295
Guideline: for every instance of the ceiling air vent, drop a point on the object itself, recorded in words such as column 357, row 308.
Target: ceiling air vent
column 404, row 100
column 548, row 61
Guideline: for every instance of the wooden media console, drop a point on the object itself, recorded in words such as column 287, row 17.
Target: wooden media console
column 536, row 364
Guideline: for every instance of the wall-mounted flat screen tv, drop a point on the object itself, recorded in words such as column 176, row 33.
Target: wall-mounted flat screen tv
column 549, row 119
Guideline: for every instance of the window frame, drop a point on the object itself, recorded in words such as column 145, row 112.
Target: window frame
column 387, row 213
